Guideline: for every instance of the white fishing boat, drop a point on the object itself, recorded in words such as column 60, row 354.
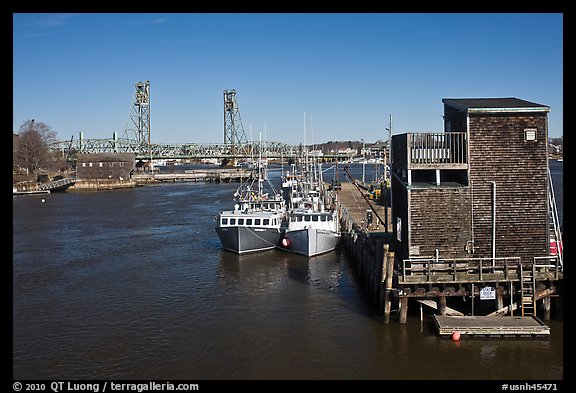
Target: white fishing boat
column 256, row 220
column 312, row 228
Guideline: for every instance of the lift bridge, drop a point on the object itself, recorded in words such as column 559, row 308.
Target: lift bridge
column 136, row 138
column 247, row 150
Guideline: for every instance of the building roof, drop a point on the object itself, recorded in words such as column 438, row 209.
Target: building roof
column 508, row 104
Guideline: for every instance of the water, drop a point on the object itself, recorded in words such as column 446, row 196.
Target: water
column 133, row 284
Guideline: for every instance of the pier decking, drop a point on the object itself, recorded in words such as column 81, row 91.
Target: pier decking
column 355, row 199
column 493, row 326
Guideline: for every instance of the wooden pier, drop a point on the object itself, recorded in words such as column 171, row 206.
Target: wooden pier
column 358, row 203
column 516, row 286
column 367, row 243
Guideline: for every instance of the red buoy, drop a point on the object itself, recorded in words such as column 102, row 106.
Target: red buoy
column 456, row 335
column 285, row 242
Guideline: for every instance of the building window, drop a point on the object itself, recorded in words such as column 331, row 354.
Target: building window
column 83, row 165
column 530, row 134
column 90, row 165
column 122, row 164
column 100, row 164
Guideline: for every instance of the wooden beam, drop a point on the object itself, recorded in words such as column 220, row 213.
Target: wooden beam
column 503, row 310
column 434, row 305
column 545, row 293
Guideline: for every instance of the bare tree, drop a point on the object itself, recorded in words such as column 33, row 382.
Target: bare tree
column 34, row 140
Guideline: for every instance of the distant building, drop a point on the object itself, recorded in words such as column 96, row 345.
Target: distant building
column 105, row 166
column 347, row 152
column 478, row 189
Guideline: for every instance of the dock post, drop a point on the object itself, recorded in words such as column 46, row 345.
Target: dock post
column 421, row 313
column 383, row 296
column 472, row 298
column 546, row 304
column 499, row 298
column 442, row 305
column 403, row 309
column 389, row 274
column 377, row 270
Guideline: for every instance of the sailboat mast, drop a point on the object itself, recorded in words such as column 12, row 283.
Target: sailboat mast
column 260, row 166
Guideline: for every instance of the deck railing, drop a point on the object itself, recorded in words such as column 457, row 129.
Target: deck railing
column 434, row 270
column 430, row 150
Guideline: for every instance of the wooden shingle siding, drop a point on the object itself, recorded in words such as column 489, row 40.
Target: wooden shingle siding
column 499, row 153
column 440, row 219
column 507, row 144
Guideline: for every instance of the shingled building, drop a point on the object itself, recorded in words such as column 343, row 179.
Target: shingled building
column 478, row 189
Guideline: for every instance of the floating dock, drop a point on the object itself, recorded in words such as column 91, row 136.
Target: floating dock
column 491, row 326
column 31, row 192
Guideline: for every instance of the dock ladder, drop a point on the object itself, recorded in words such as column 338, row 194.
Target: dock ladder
column 555, row 232
column 527, row 288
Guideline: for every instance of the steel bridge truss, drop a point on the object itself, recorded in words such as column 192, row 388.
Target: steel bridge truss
column 174, row 151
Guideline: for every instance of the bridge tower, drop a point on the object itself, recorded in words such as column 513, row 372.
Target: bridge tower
column 233, row 130
column 138, row 128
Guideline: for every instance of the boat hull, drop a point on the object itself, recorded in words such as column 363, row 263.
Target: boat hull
column 310, row 241
column 241, row 239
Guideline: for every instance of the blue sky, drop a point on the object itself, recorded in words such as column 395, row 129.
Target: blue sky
column 347, row 71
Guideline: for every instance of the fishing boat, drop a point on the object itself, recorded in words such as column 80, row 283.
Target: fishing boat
column 254, row 224
column 312, row 227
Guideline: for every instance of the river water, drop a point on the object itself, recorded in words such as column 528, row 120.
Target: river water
column 134, row 284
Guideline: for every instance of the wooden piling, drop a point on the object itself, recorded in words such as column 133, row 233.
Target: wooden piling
column 546, row 304
column 383, row 296
column 442, row 305
column 389, row 274
column 403, row 309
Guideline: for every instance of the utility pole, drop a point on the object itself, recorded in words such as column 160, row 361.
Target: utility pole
column 363, row 160
column 389, row 156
